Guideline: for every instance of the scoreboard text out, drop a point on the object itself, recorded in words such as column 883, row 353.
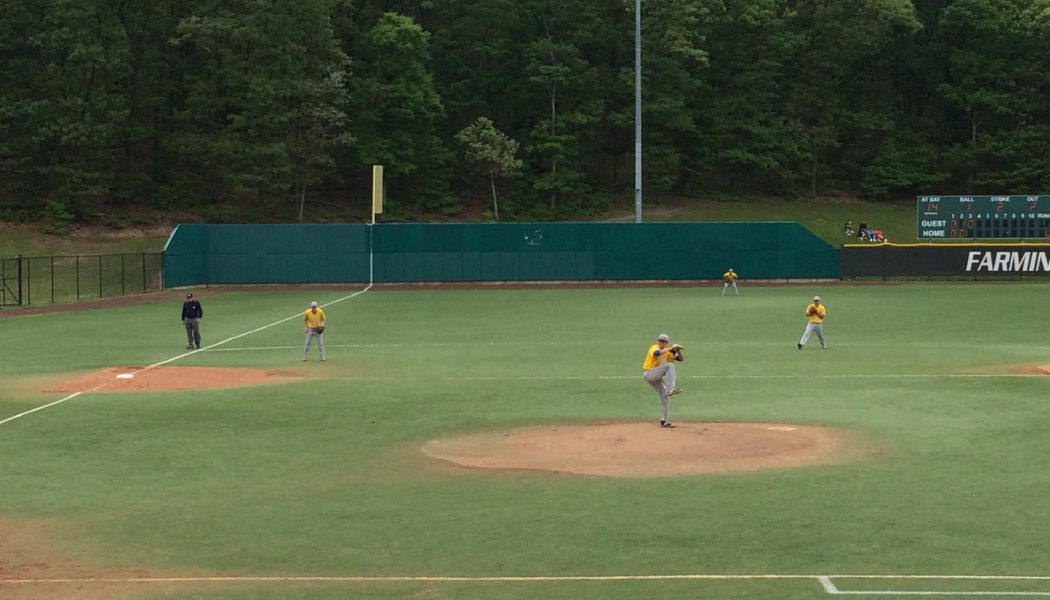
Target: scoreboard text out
column 976, row 217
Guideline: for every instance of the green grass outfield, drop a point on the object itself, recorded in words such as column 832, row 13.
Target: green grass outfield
column 324, row 478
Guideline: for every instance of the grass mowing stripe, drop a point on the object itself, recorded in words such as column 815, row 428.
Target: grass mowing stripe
column 825, row 580
column 783, row 376
column 633, row 343
column 180, row 356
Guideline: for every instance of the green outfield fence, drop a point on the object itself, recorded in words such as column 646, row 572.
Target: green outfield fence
column 395, row 253
column 40, row 280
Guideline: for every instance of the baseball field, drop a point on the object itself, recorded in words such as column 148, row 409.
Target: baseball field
column 477, row 444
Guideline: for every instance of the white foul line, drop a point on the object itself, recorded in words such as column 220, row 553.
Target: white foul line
column 299, row 347
column 180, row 356
column 69, row 397
column 408, row 578
column 831, row 588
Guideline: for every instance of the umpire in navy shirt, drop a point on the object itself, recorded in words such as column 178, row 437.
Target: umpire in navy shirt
column 191, row 319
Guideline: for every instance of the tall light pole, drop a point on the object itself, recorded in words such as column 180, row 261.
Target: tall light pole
column 637, row 111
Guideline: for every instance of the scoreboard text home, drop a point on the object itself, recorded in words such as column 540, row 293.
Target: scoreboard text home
column 976, row 217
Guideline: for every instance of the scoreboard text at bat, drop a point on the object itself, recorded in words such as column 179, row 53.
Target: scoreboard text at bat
column 983, row 217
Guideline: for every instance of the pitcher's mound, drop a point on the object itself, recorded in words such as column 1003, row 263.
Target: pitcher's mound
column 646, row 449
column 137, row 379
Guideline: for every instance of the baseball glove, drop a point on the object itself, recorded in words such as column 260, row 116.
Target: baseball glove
column 678, row 351
column 319, row 329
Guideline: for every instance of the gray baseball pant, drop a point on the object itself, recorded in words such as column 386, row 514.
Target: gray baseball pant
column 662, row 379
column 725, row 287
column 811, row 328
column 310, row 335
column 193, row 332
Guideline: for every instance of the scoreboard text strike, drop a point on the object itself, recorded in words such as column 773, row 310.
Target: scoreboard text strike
column 975, row 217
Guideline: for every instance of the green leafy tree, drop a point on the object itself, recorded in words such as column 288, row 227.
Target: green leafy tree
column 62, row 89
column 981, row 40
column 833, row 107
column 398, row 111
column 492, row 151
column 320, row 129
column 152, row 89
column 674, row 70
column 264, row 96
column 747, row 140
column 478, row 59
column 567, row 106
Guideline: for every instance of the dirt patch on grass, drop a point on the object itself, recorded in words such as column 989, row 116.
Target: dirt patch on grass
column 1033, row 369
column 646, row 449
column 157, row 379
column 33, row 559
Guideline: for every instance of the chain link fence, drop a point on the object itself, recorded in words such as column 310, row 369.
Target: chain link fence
column 41, row 280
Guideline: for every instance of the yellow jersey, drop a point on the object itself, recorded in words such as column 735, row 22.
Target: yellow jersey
column 729, row 276
column 655, row 356
column 815, row 313
column 314, row 319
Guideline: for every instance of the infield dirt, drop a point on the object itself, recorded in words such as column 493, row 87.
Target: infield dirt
column 168, row 378
column 647, row 450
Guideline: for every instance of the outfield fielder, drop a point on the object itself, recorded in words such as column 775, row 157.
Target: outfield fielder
column 815, row 315
column 729, row 279
column 313, row 325
column 659, row 372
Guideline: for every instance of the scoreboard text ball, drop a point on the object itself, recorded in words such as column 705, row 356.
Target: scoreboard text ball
column 976, row 217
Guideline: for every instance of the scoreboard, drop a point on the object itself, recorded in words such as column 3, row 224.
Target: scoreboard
column 982, row 217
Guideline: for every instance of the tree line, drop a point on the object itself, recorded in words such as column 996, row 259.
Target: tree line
column 521, row 108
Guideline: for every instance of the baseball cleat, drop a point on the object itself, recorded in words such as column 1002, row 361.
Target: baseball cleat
column 666, row 424
column 189, row 347
column 799, row 346
column 673, row 391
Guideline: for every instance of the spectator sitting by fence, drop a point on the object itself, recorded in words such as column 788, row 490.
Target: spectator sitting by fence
column 878, row 236
column 862, row 231
column 848, row 228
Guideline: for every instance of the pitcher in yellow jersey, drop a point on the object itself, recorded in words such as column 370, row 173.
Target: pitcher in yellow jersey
column 658, row 370
column 815, row 313
column 313, row 325
column 729, row 279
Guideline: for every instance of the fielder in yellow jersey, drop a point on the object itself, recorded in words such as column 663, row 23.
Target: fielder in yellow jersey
column 729, row 279
column 659, row 372
column 313, row 325
column 815, row 313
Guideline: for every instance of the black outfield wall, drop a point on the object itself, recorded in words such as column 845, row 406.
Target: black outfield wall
column 975, row 260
